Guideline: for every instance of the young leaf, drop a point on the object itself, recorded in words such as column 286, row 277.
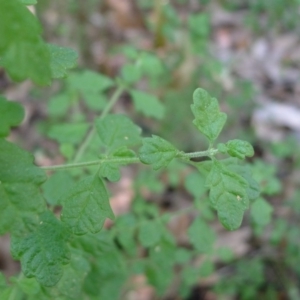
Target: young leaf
column 44, row 252
column 116, row 131
column 208, row 118
column 12, row 114
column 157, row 152
column 239, row 149
column 22, row 50
column 201, row 236
column 86, row 206
column 20, row 179
column 147, row 104
column 228, row 195
column 131, row 73
column 61, row 59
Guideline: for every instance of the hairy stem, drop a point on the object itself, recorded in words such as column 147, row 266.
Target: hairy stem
column 98, row 162
column 114, row 98
column 209, row 152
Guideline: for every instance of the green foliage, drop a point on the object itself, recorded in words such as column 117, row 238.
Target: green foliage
column 58, row 224
column 12, row 114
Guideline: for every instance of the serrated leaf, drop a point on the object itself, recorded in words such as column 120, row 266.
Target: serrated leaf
column 147, row 104
column 20, row 198
column 12, row 114
column 44, row 252
column 86, row 206
column 150, row 233
column 208, row 118
column 228, row 195
column 239, row 149
column 22, row 50
column 261, row 212
column 62, row 58
column 116, row 131
column 201, row 236
column 157, row 152
column 89, row 82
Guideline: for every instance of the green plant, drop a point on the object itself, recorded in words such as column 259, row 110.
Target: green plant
column 58, row 234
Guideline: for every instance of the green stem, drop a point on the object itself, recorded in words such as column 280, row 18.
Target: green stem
column 114, row 98
column 125, row 161
column 15, row 293
column 117, row 160
column 209, row 152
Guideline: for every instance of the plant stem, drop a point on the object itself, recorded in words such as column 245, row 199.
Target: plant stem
column 209, row 152
column 124, row 161
column 114, row 98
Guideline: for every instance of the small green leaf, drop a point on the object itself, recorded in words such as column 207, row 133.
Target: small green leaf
column 110, row 171
column 58, row 105
column 44, row 252
column 150, row 233
column 20, row 180
column 228, row 195
column 208, row 118
column 116, row 131
column 22, row 50
column 95, row 101
column 147, row 104
column 261, row 212
column 86, row 206
column 157, row 152
column 131, row 73
column 12, row 114
column 62, row 58
column 239, row 149
column 89, row 82
column 68, row 133
column 201, row 236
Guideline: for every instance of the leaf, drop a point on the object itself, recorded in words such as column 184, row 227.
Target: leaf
column 68, row 133
column 228, row 195
column 147, row 104
column 110, row 171
column 28, row 2
column 22, row 50
column 116, row 131
column 208, row 118
column 95, row 101
column 70, row 285
column 149, row 233
column 89, row 82
column 56, row 186
column 195, row 184
column 157, row 152
column 261, row 212
column 43, row 252
column 20, row 198
column 131, row 73
column 239, row 149
column 86, row 206
column 12, row 114
column 61, row 59
column 58, row 105
column 201, row 236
